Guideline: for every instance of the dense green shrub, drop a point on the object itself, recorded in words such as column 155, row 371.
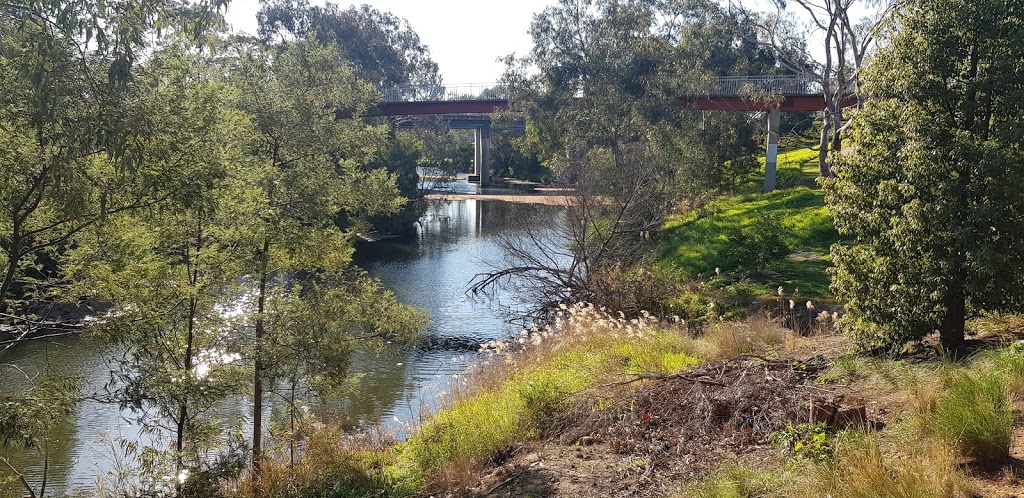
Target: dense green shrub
column 756, row 246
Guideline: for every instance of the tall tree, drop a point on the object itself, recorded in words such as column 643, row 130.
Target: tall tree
column 831, row 52
column 169, row 270
column 68, row 149
column 383, row 48
column 931, row 192
column 309, row 170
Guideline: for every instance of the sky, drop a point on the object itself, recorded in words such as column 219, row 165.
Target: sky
column 465, row 37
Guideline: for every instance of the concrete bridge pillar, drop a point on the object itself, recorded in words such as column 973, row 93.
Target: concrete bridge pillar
column 482, row 161
column 771, row 156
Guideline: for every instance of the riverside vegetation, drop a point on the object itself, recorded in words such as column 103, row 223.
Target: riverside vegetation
column 722, row 404
column 598, row 402
column 854, row 333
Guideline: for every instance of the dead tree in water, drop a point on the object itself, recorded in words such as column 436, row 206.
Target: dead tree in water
column 615, row 202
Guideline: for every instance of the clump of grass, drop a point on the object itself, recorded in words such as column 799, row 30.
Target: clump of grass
column 330, row 463
column 756, row 334
column 1008, row 363
column 863, row 468
column 739, row 482
column 974, row 414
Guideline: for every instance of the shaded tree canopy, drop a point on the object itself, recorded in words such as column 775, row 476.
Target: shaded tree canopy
column 383, row 48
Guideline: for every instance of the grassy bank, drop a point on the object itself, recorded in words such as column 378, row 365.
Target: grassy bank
column 794, row 217
column 510, row 398
column 632, row 397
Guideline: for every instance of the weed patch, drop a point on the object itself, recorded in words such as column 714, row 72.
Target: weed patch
column 975, row 415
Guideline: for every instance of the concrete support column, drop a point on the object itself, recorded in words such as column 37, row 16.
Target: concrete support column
column 478, row 157
column 771, row 156
column 485, row 155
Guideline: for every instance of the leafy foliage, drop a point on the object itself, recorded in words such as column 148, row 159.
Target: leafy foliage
column 383, row 48
column 929, row 193
column 805, row 442
column 756, row 246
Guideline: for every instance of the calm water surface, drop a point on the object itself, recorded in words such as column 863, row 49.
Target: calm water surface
column 455, row 241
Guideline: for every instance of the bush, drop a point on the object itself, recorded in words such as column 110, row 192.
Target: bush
column 756, row 246
column 975, row 415
column 691, row 307
column 738, row 482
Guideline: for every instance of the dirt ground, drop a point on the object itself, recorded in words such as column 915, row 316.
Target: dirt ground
column 646, row 437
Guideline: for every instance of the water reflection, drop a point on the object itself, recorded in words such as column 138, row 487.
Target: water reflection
column 456, row 240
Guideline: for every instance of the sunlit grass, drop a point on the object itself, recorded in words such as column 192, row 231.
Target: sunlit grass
column 738, row 482
column 870, row 466
column 697, row 243
column 513, row 396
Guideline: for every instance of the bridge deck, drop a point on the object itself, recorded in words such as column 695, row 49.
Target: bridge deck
column 726, row 93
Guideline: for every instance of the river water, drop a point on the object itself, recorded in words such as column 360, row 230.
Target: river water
column 455, row 240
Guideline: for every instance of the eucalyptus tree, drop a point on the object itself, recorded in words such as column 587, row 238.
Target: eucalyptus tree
column 169, row 270
column 383, row 49
column 68, row 150
column 830, row 50
column 931, row 192
column 308, row 170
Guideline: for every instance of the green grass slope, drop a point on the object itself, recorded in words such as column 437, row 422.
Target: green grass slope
column 698, row 242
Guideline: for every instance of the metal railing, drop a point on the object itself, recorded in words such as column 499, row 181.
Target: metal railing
column 722, row 86
column 739, row 86
column 446, row 93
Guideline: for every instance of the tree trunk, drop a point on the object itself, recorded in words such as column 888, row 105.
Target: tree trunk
column 837, row 135
column 823, row 169
column 257, row 383
column 183, row 409
column 12, row 267
column 951, row 331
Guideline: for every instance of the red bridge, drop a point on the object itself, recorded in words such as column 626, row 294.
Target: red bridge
column 772, row 94
column 785, row 93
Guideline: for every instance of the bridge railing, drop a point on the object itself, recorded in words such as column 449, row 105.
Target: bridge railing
column 446, row 93
column 784, row 84
column 723, row 86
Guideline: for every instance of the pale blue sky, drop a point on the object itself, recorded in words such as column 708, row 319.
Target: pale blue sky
column 465, row 37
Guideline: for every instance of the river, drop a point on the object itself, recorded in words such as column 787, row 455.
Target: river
column 455, row 240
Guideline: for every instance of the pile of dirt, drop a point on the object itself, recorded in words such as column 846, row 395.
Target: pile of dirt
column 643, row 435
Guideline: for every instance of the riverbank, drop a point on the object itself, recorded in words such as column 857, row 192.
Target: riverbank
column 550, row 198
column 603, row 406
column 755, row 252
column 786, row 416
